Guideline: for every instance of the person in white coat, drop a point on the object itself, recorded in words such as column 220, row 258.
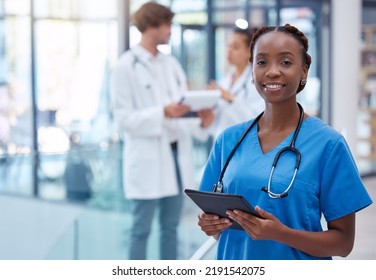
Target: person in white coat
column 146, row 86
column 240, row 100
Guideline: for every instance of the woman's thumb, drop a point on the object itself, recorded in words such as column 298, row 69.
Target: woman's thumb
column 262, row 212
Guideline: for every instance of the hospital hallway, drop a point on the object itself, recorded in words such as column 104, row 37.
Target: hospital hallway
column 365, row 241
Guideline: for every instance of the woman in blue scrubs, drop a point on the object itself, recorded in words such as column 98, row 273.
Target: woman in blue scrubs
column 290, row 200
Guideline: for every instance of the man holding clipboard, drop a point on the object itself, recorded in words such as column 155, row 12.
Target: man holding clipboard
column 146, row 86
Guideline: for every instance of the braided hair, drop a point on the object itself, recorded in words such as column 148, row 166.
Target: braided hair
column 289, row 29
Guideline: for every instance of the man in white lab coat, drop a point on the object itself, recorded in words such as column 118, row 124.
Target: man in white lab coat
column 146, row 86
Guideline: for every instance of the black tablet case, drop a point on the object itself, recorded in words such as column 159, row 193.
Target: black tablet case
column 219, row 203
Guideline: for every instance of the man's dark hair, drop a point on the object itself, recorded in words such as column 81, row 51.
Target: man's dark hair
column 151, row 14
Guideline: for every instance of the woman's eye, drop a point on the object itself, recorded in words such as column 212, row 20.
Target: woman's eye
column 286, row 62
column 260, row 62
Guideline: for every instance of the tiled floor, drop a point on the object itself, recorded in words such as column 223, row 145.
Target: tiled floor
column 365, row 238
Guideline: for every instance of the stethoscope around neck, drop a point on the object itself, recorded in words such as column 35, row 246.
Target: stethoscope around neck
column 218, row 187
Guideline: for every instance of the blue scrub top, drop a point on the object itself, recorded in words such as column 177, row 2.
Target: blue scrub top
column 327, row 183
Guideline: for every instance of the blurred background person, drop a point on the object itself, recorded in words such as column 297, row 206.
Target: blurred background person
column 146, row 86
column 240, row 100
column 78, row 175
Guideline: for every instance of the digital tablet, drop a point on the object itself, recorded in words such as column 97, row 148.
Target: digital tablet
column 219, row 203
column 200, row 99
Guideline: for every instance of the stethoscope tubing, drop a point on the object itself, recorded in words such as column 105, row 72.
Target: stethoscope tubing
column 218, row 187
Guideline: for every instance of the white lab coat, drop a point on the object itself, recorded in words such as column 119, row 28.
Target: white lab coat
column 149, row 169
column 247, row 103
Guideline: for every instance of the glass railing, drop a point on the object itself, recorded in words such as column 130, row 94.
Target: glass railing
column 91, row 176
column 86, row 174
column 104, row 234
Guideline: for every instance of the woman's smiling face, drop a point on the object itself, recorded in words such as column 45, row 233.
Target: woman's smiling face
column 278, row 66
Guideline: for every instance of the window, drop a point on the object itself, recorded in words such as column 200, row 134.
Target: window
column 58, row 53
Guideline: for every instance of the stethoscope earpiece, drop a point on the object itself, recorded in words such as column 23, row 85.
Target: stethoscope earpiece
column 285, row 194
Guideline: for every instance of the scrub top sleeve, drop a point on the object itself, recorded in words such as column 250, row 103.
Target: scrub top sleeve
column 342, row 191
column 213, row 167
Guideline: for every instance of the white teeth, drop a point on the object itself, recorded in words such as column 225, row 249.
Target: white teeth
column 273, row 86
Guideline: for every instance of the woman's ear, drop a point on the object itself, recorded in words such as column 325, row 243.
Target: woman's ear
column 305, row 72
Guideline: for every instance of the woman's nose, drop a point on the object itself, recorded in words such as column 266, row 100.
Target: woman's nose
column 273, row 71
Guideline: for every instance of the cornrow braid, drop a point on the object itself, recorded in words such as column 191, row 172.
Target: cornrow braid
column 287, row 28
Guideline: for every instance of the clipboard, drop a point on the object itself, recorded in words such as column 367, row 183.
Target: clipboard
column 200, row 99
column 219, row 203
